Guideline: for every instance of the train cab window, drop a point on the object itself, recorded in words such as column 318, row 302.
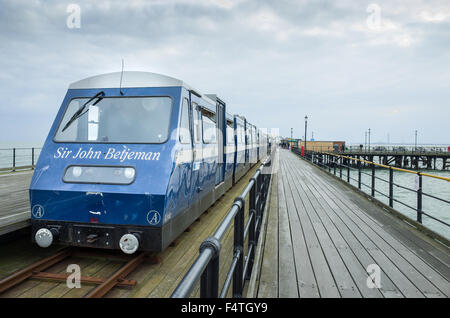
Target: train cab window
column 209, row 126
column 197, row 127
column 116, row 120
column 230, row 132
column 93, row 123
column 185, row 131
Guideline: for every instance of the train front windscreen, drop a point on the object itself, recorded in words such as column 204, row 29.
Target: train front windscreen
column 116, row 120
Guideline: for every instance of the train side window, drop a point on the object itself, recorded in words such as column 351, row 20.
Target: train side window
column 230, row 133
column 197, row 128
column 185, row 132
column 209, row 126
column 241, row 139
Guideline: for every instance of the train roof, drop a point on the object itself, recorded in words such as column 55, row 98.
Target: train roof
column 132, row 79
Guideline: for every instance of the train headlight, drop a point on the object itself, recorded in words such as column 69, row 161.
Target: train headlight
column 129, row 243
column 44, row 237
column 129, row 173
column 76, row 171
column 100, row 174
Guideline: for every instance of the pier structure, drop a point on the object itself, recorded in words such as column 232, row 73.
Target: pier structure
column 432, row 160
column 296, row 230
column 15, row 207
column 323, row 240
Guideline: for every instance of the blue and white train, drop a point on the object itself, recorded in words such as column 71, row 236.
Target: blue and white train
column 132, row 159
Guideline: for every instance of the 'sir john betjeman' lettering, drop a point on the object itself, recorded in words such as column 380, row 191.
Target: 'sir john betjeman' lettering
column 110, row 154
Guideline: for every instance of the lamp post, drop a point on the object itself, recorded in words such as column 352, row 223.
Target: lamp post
column 369, row 139
column 292, row 133
column 365, row 140
column 415, row 141
column 306, row 125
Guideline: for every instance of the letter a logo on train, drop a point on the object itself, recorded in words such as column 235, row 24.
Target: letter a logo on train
column 38, row 211
column 153, row 217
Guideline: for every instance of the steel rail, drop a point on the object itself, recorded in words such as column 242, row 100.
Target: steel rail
column 39, row 266
column 117, row 277
column 36, row 270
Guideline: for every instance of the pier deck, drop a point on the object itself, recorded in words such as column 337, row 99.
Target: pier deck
column 14, row 198
column 153, row 279
column 322, row 237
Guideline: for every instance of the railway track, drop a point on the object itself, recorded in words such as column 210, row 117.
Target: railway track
column 38, row 269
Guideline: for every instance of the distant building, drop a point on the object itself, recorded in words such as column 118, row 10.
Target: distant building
column 320, row 146
column 291, row 142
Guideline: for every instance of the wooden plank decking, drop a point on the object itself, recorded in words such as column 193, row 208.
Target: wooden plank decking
column 153, row 279
column 322, row 236
column 15, row 203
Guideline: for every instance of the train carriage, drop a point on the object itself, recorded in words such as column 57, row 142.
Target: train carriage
column 131, row 160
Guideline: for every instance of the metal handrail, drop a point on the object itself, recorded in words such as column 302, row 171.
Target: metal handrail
column 397, row 152
column 333, row 160
column 14, row 156
column 388, row 167
column 206, row 266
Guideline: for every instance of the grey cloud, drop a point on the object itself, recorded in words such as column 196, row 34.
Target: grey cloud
column 272, row 61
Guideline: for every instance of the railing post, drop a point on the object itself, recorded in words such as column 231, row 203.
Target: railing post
column 391, row 187
column 32, row 158
column 340, row 167
column 359, row 174
column 209, row 282
column 373, row 179
column 348, row 172
column 334, row 164
column 14, row 160
column 239, row 248
column 253, row 209
column 419, row 199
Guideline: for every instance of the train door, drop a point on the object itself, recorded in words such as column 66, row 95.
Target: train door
column 186, row 155
column 197, row 153
column 221, row 139
column 258, row 145
column 247, row 146
column 236, row 149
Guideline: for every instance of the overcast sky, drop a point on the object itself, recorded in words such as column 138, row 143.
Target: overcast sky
column 348, row 65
